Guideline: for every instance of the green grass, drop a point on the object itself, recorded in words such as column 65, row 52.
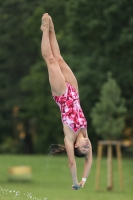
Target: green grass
column 51, row 179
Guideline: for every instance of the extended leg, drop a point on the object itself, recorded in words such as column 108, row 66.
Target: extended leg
column 67, row 72
column 56, row 78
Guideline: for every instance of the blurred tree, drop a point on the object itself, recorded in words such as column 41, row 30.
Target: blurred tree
column 108, row 115
column 14, row 64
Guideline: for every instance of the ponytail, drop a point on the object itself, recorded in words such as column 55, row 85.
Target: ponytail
column 56, row 149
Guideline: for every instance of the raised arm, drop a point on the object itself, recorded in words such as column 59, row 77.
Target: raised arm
column 87, row 166
column 72, row 162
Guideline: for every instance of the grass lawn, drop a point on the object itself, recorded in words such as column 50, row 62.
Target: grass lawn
column 52, row 181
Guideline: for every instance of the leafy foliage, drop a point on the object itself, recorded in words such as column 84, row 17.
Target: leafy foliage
column 108, row 115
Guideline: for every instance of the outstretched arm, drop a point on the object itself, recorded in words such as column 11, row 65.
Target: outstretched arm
column 87, row 166
column 72, row 162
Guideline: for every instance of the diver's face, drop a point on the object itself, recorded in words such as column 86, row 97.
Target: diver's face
column 83, row 145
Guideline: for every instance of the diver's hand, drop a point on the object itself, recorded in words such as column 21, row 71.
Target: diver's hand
column 76, row 186
column 82, row 183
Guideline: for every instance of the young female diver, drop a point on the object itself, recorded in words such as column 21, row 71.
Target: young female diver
column 64, row 89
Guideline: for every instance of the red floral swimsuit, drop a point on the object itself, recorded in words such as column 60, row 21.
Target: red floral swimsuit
column 71, row 111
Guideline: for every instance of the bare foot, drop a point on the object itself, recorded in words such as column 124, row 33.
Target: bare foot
column 51, row 25
column 45, row 21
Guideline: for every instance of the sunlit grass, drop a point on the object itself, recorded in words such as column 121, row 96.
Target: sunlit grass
column 51, row 179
